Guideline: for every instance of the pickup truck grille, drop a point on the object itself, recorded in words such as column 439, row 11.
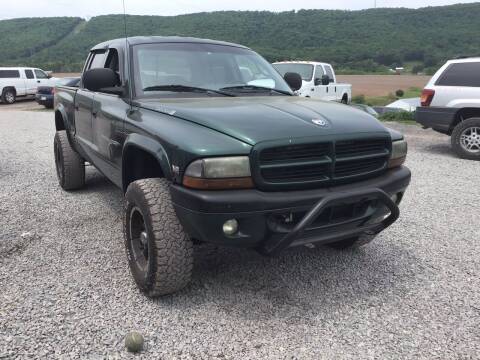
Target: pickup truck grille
column 320, row 163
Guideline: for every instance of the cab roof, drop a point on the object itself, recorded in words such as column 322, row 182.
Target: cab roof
column 302, row 62
column 136, row 40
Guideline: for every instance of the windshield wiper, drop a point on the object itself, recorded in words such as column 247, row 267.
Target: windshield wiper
column 185, row 88
column 255, row 88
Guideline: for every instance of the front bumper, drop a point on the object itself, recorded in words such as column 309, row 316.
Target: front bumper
column 273, row 221
column 440, row 119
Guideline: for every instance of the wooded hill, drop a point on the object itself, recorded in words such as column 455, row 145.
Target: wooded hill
column 354, row 41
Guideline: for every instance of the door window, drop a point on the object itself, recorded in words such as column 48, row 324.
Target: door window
column 98, row 60
column 114, row 64
column 29, row 74
column 319, row 72
column 329, row 72
column 40, row 74
column 461, row 74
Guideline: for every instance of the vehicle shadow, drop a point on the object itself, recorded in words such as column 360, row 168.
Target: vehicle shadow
column 302, row 280
column 443, row 149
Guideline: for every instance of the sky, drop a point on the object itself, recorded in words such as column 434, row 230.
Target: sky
column 89, row 8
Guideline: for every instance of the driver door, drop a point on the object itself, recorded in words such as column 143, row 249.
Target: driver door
column 320, row 90
column 109, row 112
column 84, row 105
column 41, row 77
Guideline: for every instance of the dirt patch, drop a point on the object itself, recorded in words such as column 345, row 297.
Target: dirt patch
column 381, row 85
column 63, row 75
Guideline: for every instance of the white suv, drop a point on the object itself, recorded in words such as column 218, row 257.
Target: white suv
column 451, row 105
column 19, row 81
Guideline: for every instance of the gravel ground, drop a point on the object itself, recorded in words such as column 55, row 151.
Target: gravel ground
column 22, row 104
column 67, row 292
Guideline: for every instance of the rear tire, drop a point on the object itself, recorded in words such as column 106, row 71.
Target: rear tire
column 160, row 253
column 69, row 164
column 466, row 139
column 9, row 96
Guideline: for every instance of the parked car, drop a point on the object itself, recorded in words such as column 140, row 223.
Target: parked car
column 45, row 94
column 16, row 82
column 451, row 105
column 368, row 109
column 204, row 155
column 318, row 80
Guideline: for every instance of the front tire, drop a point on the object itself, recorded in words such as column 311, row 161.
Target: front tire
column 9, row 96
column 69, row 164
column 160, row 253
column 466, row 139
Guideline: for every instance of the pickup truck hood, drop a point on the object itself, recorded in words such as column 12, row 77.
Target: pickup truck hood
column 263, row 118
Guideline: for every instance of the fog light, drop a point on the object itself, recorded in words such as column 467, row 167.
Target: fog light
column 230, row 227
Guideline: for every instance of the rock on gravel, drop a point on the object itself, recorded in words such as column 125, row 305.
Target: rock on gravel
column 67, row 292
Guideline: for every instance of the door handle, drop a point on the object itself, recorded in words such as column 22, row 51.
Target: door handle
column 38, row 81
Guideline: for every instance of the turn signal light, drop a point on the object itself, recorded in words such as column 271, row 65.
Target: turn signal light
column 427, row 97
column 218, row 184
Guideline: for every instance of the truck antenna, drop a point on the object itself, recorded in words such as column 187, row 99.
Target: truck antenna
column 127, row 52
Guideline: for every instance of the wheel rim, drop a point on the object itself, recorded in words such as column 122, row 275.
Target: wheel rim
column 58, row 161
column 470, row 140
column 9, row 97
column 139, row 239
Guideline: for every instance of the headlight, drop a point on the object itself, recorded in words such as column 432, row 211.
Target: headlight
column 399, row 153
column 219, row 173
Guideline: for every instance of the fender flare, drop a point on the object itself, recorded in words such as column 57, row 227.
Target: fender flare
column 63, row 113
column 150, row 146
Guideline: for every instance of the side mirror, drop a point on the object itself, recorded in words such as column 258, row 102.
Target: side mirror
column 102, row 80
column 325, row 80
column 293, row 80
column 318, row 81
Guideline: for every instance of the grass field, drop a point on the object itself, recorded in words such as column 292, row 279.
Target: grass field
column 382, row 85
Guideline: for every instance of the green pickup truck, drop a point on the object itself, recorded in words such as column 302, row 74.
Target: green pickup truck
column 210, row 144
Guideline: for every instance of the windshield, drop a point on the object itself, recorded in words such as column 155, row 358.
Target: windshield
column 193, row 67
column 305, row 70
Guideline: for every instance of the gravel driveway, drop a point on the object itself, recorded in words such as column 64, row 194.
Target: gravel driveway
column 66, row 291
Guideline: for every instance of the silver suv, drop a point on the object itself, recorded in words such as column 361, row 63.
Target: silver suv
column 451, row 105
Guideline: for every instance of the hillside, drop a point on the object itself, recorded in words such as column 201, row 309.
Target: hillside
column 356, row 41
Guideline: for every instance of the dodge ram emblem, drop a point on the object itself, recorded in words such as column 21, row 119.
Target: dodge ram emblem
column 319, row 122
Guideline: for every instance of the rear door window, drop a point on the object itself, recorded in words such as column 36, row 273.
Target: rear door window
column 461, row 74
column 29, row 74
column 9, row 74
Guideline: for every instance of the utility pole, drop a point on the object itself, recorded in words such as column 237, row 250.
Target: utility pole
column 375, row 4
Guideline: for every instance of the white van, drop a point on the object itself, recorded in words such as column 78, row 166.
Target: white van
column 21, row 81
column 318, row 80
